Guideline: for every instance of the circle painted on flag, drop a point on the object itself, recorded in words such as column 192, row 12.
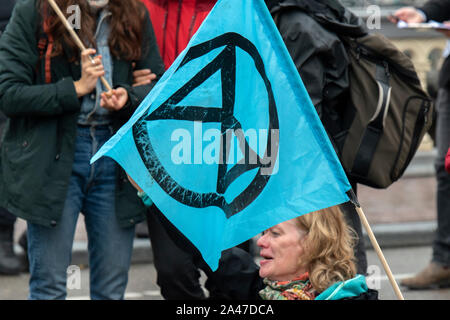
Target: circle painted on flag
column 226, row 63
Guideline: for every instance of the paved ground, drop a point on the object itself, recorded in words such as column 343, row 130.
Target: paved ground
column 409, row 199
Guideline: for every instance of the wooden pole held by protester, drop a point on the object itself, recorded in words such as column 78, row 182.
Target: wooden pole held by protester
column 377, row 248
column 75, row 37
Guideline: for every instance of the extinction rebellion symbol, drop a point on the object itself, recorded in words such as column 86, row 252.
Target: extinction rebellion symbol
column 226, row 63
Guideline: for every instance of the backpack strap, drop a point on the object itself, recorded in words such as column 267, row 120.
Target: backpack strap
column 374, row 129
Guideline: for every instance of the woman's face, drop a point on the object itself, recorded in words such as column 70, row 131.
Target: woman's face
column 281, row 249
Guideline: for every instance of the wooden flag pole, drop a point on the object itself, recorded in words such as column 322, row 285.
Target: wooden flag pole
column 75, row 37
column 377, row 248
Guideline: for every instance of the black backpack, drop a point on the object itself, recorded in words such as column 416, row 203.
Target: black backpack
column 388, row 112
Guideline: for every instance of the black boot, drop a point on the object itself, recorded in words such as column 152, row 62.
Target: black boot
column 10, row 264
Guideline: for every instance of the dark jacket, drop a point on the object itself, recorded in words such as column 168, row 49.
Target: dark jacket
column 37, row 153
column 439, row 10
column 318, row 53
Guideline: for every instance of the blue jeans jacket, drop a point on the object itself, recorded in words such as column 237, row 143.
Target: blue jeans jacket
column 91, row 112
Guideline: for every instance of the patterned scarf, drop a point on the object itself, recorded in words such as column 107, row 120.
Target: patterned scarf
column 297, row 289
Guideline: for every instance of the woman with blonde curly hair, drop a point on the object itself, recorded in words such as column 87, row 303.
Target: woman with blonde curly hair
column 307, row 258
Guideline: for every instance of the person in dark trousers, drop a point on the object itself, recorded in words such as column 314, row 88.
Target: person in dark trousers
column 59, row 117
column 10, row 263
column 437, row 273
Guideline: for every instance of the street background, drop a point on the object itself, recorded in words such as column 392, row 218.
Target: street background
column 403, row 217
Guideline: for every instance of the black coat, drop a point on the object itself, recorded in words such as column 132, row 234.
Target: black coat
column 439, row 10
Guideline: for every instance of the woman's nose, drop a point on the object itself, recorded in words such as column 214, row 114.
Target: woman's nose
column 262, row 241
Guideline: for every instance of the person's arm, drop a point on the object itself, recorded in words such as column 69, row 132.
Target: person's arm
column 19, row 95
column 151, row 59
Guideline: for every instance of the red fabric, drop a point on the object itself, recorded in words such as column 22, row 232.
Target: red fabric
column 447, row 161
column 175, row 22
column 49, row 43
column 48, row 53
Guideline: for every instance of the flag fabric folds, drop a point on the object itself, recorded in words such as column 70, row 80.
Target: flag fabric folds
column 228, row 143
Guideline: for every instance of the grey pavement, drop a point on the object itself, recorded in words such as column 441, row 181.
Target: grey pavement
column 403, row 262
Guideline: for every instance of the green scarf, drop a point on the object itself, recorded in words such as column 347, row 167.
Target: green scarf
column 297, row 289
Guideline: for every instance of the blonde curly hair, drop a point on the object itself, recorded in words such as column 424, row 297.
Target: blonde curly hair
column 328, row 254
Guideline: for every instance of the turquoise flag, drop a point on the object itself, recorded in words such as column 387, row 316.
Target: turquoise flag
column 228, row 143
